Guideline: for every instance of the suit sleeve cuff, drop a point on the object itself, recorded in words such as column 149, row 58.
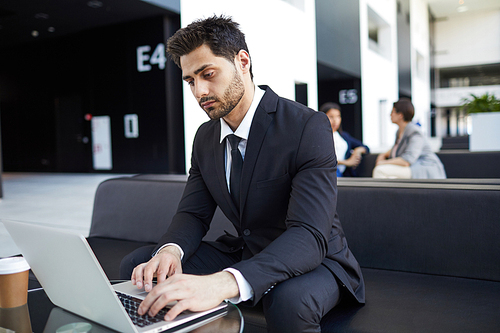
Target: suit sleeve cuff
column 170, row 244
column 246, row 291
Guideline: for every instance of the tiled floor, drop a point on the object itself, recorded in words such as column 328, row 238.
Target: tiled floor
column 57, row 199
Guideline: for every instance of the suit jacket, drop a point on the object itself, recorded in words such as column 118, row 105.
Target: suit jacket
column 351, row 144
column 288, row 223
column 415, row 149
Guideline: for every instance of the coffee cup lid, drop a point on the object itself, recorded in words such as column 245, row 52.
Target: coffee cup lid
column 13, row 265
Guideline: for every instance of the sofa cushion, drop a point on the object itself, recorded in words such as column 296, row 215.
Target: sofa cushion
column 138, row 210
column 141, row 208
column 470, row 164
column 444, row 229
column 408, row 302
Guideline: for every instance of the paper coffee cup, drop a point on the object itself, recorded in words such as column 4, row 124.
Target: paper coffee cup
column 14, row 276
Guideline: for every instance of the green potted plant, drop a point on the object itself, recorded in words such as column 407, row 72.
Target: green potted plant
column 483, row 103
column 484, row 113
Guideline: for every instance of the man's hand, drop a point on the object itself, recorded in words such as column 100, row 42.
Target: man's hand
column 165, row 263
column 192, row 292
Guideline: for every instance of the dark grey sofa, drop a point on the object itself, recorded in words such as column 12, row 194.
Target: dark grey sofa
column 429, row 250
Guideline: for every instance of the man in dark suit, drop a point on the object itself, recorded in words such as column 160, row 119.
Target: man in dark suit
column 269, row 164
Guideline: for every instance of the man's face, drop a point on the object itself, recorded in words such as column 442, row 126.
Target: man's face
column 214, row 81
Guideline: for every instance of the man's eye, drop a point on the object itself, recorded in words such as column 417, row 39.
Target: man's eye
column 191, row 83
column 209, row 74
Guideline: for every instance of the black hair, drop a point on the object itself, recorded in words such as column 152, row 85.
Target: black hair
column 405, row 107
column 328, row 106
column 220, row 33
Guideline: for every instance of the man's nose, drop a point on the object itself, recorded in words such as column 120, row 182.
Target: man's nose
column 200, row 90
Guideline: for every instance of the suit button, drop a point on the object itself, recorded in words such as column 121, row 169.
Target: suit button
column 268, row 290
column 246, row 232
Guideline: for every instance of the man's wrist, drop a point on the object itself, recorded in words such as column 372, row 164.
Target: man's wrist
column 245, row 289
column 172, row 249
column 230, row 286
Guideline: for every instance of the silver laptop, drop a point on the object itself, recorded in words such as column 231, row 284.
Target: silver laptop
column 73, row 279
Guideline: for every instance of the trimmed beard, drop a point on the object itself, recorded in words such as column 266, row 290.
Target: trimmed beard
column 232, row 96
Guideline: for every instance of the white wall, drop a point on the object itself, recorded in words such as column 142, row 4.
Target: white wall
column 468, row 39
column 282, row 42
column 452, row 97
column 420, row 63
column 379, row 78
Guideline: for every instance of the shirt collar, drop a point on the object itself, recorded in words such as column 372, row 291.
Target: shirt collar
column 244, row 128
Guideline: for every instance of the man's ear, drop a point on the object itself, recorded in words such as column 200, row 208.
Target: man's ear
column 243, row 59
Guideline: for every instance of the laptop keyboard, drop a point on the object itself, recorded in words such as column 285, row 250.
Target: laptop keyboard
column 131, row 304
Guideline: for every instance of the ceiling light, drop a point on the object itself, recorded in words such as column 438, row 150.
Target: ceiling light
column 95, row 4
column 462, row 9
column 42, row 16
column 51, row 29
column 34, row 33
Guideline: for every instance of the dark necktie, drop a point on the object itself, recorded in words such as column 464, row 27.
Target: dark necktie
column 236, row 166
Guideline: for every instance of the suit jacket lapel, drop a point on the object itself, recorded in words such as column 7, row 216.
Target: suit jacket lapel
column 260, row 123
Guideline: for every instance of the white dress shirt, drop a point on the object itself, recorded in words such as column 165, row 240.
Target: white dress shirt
column 340, row 150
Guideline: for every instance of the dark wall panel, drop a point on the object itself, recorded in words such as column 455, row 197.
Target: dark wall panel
column 339, row 60
column 47, row 89
column 404, row 48
column 346, row 93
column 337, row 34
column 28, row 122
